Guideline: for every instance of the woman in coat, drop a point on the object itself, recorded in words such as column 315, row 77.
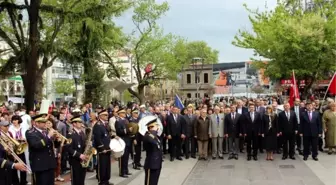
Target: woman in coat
column 270, row 132
column 329, row 127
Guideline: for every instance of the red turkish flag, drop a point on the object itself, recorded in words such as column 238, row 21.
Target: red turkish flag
column 332, row 85
column 294, row 91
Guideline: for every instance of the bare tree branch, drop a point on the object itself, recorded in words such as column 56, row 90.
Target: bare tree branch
column 5, row 37
column 111, row 63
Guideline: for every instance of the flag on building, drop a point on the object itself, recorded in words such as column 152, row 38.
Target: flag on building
column 178, row 103
column 332, row 85
column 294, row 90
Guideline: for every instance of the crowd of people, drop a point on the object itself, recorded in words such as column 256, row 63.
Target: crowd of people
column 61, row 140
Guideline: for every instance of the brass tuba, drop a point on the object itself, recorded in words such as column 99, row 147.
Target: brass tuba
column 18, row 147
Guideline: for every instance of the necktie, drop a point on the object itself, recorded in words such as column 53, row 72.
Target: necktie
column 287, row 113
column 233, row 116
column 217, row 120
column 45, row 133
column 175, row 118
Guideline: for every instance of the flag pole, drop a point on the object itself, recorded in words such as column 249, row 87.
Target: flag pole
column 325, row 94
column 294, row 83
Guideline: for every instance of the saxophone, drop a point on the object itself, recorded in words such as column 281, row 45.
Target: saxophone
column 89, row 150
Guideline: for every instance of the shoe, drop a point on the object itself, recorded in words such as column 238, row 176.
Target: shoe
column 300, row 152
column 292, row 157
column 193, row 156
column 261, row 151
column 315, row 158
column 172, row 159
column 278, row 152
column 236, row 157
column 221, row 157
column 110, row 183
column 284, row 157
column 179, row 158
column 205, row 158
column 139, row 165
column 321, row 150
column 230, row 157
column 213, row 158
column 242, row 151
column 255, row 158
column 128, row 173
column 330, row 152
column 123, row 176
column 305, row 158
column 200, row 158
column 187, row 157
column 89, row 170
column 59, row 179
column 249, row 158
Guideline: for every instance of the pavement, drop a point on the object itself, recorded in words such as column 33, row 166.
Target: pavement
column 233, row 172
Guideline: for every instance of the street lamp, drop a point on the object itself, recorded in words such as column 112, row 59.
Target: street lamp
column 197, row 64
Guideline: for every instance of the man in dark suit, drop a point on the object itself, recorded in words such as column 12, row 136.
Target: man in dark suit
column 310, row 130
column 190, row 141
column 233, row 131
column 298, row 112
column 241, row 110
column 175, row 132
column 288, row 128
column 252, row 129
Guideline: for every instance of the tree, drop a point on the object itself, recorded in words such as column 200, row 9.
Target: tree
column 185, row 51
column 64, row 87
column 147, row 46
column 46, row 37
column 293, row 38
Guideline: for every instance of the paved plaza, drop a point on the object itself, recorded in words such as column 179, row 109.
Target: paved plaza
column 234, row 172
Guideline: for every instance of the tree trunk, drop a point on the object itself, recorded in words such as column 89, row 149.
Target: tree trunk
column 32, row 63
column 39, row 86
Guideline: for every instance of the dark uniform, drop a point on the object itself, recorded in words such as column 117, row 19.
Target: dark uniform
column 41, row 155
column 102, row 140
column 137, row 147
column 75, row 149
column 5, row 168
column 153, row 161
column 122, row 132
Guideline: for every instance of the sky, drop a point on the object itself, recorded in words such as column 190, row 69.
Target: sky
column 213, row 21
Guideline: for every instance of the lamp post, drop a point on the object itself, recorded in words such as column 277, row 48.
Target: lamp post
column 197, row 64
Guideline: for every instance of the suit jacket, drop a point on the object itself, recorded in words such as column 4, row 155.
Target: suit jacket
column 76, row 147
column 189, row 124
column 233, row 127
column 61, row 128
column 288, row 126
column 41, row 153
column 122, row 130
column 175, row 128
column 268, row 124
column 201, row 128
column 254, row 126
column 101, row 137
column 152, row 145
column 313, row 127
column 261, row 109
column 216, row 129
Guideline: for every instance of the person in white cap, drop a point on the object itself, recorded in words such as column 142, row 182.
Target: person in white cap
column 143, row 111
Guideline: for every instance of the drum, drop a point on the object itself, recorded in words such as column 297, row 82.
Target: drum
column 117, row 147
column 142, row 124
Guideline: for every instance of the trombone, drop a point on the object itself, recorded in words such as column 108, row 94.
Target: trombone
column 17, row 158
column 60, row 136
column 19, row 148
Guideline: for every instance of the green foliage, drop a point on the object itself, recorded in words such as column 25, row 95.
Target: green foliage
column 64, row 87
column 94, row 86
column 185, row 51
column 293, row 38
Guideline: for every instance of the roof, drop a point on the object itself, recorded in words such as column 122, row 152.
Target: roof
column 231, row 65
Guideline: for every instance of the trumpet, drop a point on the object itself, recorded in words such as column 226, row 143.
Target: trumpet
column 18, row 147
column 60, row 136
column 3, row 142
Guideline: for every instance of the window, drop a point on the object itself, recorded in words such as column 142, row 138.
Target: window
column 206, row 78
column 189, row 95
column 68, row 72
column 197, row 95
column 53, row 70
column 188, row 78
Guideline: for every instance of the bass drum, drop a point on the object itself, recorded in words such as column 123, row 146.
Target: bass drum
column 143, row 122
column 117, row 147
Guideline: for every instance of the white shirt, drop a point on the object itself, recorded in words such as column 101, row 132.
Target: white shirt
column 14, row 130
column 239, row 110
